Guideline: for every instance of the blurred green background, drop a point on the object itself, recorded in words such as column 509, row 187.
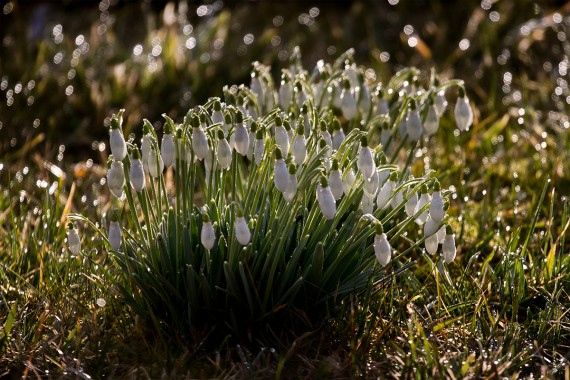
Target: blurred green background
column 66, row 66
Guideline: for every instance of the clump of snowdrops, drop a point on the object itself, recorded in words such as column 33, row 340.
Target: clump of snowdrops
column 277, row 199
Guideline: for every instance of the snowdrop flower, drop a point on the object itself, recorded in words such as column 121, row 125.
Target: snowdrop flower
column 300, row 94
column 241, row 135
column 281, row 136
column 381, row 104
column 217, row 115
column 167, row 148
column 323, row 147
column 224, row 151
column 256, row 84
column 281, row 174
column 259, row 147
column 115, row 234
column 371, row 185
column 299, row 145
column 348, row 101
column 348, row 180
column 146, row 142
column 351, row 73
column 431, row 123
column 227, row 124
column 383, row 173
column 116, row 138
column 430, row 227
column 424, row 200
column 199, row 141
column 285, row 92
column 441, row 234
column 365, row 161
column 251, row 110
column 414, row 126
column 367, row 203
column 385, row 134
column 251, row 139
column 448, row 247
column 326, row 199
column 73, row 240
column 136, row 171
column 335, row 180
column 116, row 177
column 382, row 248
column 325, row 134
column 402, row 128
column 207, row 234
column 411, row 204
column 436, row 211
column 463, row 112
column 431, row 244
column 338, row 134
column 289, row 194
column 243, row 235
column 386, row 191
column 155, row 163
column 397, row 197
column 306, row 119
column 440, row 102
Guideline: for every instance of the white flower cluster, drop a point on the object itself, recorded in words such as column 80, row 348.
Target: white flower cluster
column 325, row 137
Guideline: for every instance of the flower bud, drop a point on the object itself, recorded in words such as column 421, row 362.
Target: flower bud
column 224, row 151
column 155, row 163
column 335, row 180
column 259, row 147
column 381, row 105
column 115, row 234
column 326, row 199
column 431, row 244
column 382, row 248
column 326, row 134
column 436, row 211
column 136, row 172
column 281, row 136
column 430, row 227
column 299, row 146
column 217, row 115
column 440, row 103
column 243, row 235
column 431, row 124
column 463, row 112
column 285, row 93
column 414, row 126
column 424, row 199
column 116, row 138
column 289, row 194
column 348, row 102
column 199, row 142
column 281, row 174
column 365, row 161
column 448, row 247
column 386, row 191
column 207, row 234
column 348, row 180
column 73, row 240
column 411, row 204
column 167, row 149
column 338, row 134
column 116, row 178
column 241, row 136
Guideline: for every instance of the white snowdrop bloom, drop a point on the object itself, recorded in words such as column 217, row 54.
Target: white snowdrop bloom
column 441, row 234
column 364, row 100
column 351, row 73
column 402, row 129
column 73, row 240
column 371, row 185
column 325, row 134
column 199, row 142
column 116, row 138
column 256, row 85
column 348, row 180
column 243, row 235
column 414, row 126
column 383, row 175
column 336, row 94
column 440, row 103
column 305, row 120
column 335, row 180
column 281, row 174
column 385, row 134
column 430, row 227
column 146, row 142
column 118, row 144
column 448, row 247
column 259, row 147
column 381, row 105
column 348, row 101
column 167, row 149
column 463, row 112
column 281, row 136
column 299, row 146
column 207, row 234
column 241, row 136
column 412, row 204
column 424, row 199
column 251, row 110
column 155, row 163
column 224, row 155
column 382, row 249
column 326, row 199
column 386, row 191
column 251, row 139
column 217, row 114
column 431, row 124
column 338, row 135
column 227, row 124
column 397, row 197
column 300, row 94
column 116, row 178
column 115, row 235
column 436, row 211
column 285, row 93
column 367, row 203
column 289, row 194
column 431, row 244
column 136, row 172
column 365, row 161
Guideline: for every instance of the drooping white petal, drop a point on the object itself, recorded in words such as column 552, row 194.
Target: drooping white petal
column 365, row 162
column 448, row 248
column 281, row 175
column 367, row 204
column 440, row 103
column 348, row 181
column 258, row 150
column 348, row 104
column 397, row 198
column 412, row 204
column 431, row 124
column 424, row 199
column 371, row 184
column 208, row 235
column 382, row 249
column 430, row 227
column 243, row 235
column 337, row 138
column 431, row 244
column 326, row 202
column 73, row 241
column 167, row 149
column 441, row 234
column 224, row 154
column 384, row 194
column 282, row 139
column 285, row 95
column 335, row 183
column 199, row 143
column 414, row 126
column 289, row 194
column 117, row 144
column 436, row 211
column 115, row 235
column 241, row 139
column 136, row 175
column 463, row 113
column 155, row 164
column 116, row 178
column 299, row 150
